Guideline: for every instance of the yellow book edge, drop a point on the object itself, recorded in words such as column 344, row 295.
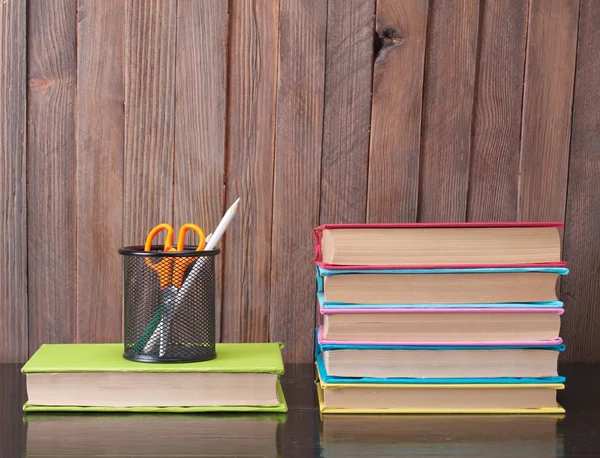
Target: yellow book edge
column 340, row 410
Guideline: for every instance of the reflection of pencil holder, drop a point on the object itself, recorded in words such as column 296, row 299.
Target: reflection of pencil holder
column 169, row 304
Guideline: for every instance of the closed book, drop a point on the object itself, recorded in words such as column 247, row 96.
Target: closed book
column 329, row 305
column 442, row 326
column 438, row 364
column 438, row 398
column 96, row 377
column 434, row 244
column 404, row 287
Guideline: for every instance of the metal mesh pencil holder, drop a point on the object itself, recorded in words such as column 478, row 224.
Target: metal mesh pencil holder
column 169, row 304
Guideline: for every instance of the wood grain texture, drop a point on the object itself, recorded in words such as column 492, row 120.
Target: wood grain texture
column 252, row 98
column 494, row 164
column 119, row 114
column 302, row 26
column 12, row 397
column 447, row 109
column 547, row 100
column 150, row 33
column 51, row 172
column 348, row 74
column 396, row 116
column 200, row 119
column 581, row 289
column 13, row 210
column 100, row 98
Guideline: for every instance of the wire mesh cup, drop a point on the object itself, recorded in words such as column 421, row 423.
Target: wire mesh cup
column 169, row 304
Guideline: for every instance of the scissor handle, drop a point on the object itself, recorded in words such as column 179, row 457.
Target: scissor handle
column 169, row 238
column 156, row 230
column 170, row 271
column 181, row 241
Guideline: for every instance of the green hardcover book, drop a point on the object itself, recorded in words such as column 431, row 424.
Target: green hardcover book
column 95, row 377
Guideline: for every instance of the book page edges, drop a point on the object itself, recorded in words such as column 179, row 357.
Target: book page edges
column 558, row 409
column 281, row 407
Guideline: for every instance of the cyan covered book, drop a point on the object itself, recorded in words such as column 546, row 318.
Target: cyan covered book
column 96, row 377
column 439, row 287
column 430, row 364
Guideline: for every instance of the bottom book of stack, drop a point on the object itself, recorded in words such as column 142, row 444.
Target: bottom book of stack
column 396, row 384
column 95, row 377
column 438, row 398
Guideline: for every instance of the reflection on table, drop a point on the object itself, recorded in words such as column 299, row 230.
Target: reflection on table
column 155, row 435
column 531, row 436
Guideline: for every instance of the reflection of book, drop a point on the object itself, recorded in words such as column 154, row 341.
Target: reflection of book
column 441, row 435
column 156, row 435
column 243, row 377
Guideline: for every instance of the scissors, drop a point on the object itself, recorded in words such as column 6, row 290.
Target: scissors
column 171, row 272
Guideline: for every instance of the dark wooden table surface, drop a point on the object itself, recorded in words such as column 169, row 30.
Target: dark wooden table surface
column 302, row 432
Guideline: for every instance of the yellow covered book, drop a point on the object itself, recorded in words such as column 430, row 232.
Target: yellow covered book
column 365, row 398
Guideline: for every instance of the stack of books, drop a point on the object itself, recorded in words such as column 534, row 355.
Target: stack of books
column 439, row 318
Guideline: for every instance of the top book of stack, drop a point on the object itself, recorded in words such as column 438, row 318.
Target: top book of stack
column 437, row 244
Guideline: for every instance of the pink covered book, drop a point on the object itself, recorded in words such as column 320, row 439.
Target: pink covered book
column 435, row 327
column 433, row 245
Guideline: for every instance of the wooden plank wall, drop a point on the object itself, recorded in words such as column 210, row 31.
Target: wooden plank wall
column 13, row 173
column 121, row 114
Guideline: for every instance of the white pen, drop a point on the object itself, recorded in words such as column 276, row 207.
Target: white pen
column 215, row 237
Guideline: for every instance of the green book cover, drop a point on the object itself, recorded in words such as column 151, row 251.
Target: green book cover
column 231, row 358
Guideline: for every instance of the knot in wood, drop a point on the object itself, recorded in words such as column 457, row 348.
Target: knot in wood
column 384, row 41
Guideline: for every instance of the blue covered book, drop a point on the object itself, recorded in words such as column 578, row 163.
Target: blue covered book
column 387, row 364
column 510, row 287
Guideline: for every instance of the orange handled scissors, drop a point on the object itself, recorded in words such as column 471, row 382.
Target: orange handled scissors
column 171, row 273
